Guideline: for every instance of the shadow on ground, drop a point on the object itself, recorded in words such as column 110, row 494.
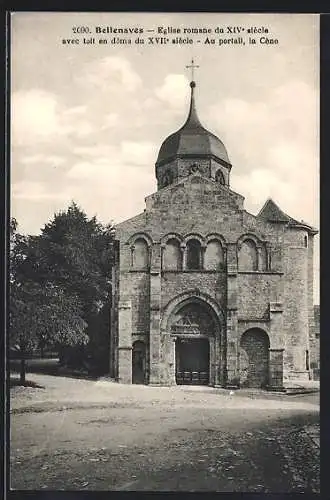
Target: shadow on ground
column 14, row 382
column 51, row 366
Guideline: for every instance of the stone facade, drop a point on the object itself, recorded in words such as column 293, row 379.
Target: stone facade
column 205, row 292
column 315, row 344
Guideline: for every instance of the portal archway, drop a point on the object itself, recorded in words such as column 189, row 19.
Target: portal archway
column 254, row 358
column 194, row 326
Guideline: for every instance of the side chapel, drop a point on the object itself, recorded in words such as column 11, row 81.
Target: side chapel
column 203, row 291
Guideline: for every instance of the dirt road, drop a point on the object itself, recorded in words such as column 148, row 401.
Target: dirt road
column 101, row 436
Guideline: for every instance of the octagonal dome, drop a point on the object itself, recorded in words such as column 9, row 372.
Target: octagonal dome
column 192, row 139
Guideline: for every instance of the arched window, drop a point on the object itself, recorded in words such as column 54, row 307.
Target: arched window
column 219, row 177
column 248, row 257
column 213, row 255
column 140, row 254
column 194, row 257
column 172, row 255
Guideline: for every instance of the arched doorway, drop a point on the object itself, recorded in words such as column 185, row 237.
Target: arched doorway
column 138, row 362
column 254, row 358
column 194, row 327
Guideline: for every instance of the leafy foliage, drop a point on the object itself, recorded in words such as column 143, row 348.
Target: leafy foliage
column 61, row 286
column 76, row 254
column 44, row 314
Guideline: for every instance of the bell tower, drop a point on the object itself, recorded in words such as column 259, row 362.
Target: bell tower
column 192, row 149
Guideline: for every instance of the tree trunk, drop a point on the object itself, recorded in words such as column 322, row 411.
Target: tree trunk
column 42, row 350
column 23, row 370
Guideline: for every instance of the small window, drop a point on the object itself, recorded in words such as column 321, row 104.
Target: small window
column 167, row 178
column 305, row 241
column 194, row 255
column 219, row 177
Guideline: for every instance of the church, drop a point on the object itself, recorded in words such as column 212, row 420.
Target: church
column 204, row 292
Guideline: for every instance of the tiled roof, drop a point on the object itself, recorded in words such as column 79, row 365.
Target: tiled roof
column 192, row 139
column 272, row 213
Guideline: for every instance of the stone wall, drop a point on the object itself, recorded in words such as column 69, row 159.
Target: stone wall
column 296, row 311
column 277, row 293
column 314, row 344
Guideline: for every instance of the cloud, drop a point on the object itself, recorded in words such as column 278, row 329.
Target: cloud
column 76, row 110
column 111, row 179
column 79, row 129
column 113, row 172
column 110, row 73
column 261, row 181
column 288, row 179
column 34, row 114
column 275, row 154
column 53, row 160
column 173, row 91
column 34, row 191
column 138, row 153
column 110, row 120
column 103, row 159
column 38, row 117
column 96, row 150
column 285, row 115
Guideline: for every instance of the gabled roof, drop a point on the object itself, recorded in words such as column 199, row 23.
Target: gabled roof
column 271, row 212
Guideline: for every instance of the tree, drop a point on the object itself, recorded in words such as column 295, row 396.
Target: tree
column 39, row 310
column 75, row 254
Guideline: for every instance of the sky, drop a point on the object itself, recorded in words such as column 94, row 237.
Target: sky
column 87, row 120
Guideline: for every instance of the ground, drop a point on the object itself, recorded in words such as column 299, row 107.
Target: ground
column 99, row 435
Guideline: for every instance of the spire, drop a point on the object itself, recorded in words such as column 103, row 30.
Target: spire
column 192, row 119
column 191, row 139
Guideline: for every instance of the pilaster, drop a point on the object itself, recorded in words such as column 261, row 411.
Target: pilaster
column 232, row 375
column 183, row 255
column 155, row 295
column 125, row 342
column 213, row 362
column 172, row 355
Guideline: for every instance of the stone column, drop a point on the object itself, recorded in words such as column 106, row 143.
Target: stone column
column 217, row 364
column 155, row 291
column 203, row 250
column 132, row 256
column 268, row 257
column 183, row 256
column 275, row 370
column 259, row 259
column 162, row 250
column 172, row 361
column 212, row 368
column 232, row 373
column 232, row 349
column 125, row 342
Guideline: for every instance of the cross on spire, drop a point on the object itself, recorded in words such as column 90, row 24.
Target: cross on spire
column 192, row 66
